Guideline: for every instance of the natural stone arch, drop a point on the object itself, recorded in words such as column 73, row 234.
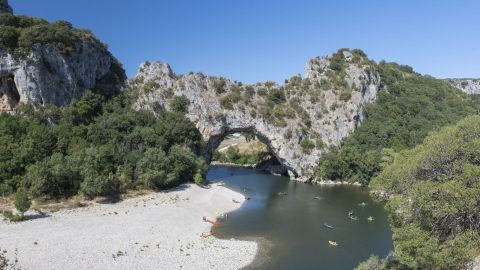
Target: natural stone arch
column 215, row 140
column 215, row 118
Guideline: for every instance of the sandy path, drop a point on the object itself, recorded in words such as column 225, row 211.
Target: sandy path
column 155, row 231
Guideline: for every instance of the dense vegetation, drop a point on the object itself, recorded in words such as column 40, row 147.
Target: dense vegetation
column 433, row 199
column 406, row 110
column 96, row 147
column 18, row 34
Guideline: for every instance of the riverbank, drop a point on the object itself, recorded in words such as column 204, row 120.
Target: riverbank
column 334, row 183
column 230, row 164
column 155, row 231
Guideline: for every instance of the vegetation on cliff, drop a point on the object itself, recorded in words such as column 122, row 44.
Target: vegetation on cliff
column 406, row 110
column 18, row 34
column 96, row 147
column 433, row 197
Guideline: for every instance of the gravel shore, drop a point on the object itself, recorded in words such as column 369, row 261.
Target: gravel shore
column 154, row 231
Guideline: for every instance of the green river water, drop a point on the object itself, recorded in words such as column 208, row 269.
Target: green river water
column 292, row 226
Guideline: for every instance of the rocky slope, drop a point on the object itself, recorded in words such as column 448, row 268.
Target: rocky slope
column 298, row 121
column 469, row 86
column 44, row 74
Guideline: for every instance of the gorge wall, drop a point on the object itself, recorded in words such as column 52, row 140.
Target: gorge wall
column 42, row 73
column 298, row 121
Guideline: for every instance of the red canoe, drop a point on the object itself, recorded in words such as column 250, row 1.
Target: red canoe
column 213, row 222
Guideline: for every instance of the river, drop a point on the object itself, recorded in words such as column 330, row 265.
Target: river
column 292, row 224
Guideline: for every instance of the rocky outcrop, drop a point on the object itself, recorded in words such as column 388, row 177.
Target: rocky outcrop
column 47, row 76
column 469, row 86
column 298, row 121
column 5, row 7
column 42, row 73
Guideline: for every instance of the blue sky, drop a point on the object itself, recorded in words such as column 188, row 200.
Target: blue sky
column 258, row 40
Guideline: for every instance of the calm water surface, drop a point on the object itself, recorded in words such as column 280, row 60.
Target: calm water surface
column 293, row 222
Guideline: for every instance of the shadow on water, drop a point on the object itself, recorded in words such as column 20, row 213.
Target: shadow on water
column 293, row 223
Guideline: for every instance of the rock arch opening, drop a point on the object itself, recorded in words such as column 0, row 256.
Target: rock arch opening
column 9, row 96
column 244, row 147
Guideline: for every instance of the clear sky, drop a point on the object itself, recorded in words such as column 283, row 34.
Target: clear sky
column 258, row 40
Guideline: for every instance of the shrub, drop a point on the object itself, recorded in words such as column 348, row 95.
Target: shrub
column 179, row 104
column 22, row 202
column 12, row 217
column 337, row 61
column 226, row 102
column 219, row 86
column 346, row 94
column 307, row 145
column 198, row 178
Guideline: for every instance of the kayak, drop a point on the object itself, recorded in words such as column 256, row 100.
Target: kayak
column 212, row 222
column 333, row 243
column 363, row 204
column 327, row 226
column 317, row 198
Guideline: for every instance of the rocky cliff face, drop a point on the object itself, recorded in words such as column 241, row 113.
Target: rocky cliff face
column 5, row 7
column 298, row 120
column 469, row 86
column 45, row 75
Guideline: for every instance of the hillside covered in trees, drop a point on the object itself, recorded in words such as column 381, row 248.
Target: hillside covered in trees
column 96, row 147
column 408, row 107
column 433, row 197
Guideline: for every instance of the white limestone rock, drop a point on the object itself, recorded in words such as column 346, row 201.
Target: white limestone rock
column 332, row 119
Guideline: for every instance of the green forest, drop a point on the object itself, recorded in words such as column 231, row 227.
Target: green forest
column 432, row 193
column 96, row 147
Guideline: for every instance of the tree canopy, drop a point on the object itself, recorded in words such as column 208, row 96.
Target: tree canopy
column 433, row 198
column 96, row 147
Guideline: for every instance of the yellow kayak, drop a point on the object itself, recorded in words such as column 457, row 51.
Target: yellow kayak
column 333, row 243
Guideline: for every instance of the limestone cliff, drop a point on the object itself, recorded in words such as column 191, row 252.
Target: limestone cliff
column 34, row 69
column 298, row 120
column 469, row 86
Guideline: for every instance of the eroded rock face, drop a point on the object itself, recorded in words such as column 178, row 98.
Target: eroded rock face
column 324, row 113
column 5, row 7
column 47, row 76
column 469, row 86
